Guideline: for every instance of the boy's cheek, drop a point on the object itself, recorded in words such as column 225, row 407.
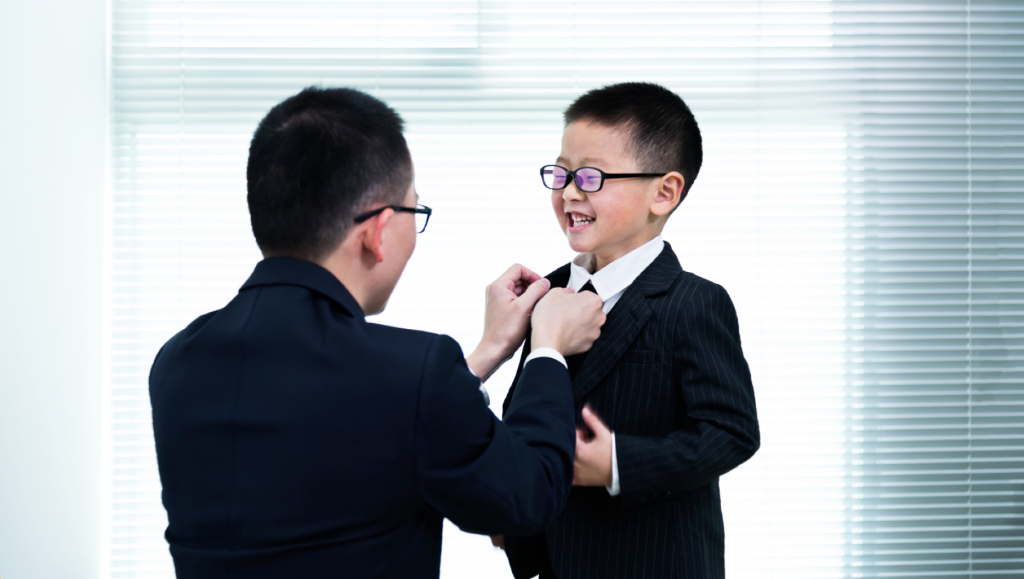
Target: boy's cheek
column 563, row 221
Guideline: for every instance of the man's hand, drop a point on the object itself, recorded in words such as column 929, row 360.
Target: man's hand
column 498, row 541
column 508, row 305
column 567, row 321
column 592, row 466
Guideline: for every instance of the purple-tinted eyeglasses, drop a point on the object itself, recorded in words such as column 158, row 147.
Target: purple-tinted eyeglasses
column 588, row 179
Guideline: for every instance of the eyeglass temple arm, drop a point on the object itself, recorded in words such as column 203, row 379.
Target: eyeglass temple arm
column 623, row 175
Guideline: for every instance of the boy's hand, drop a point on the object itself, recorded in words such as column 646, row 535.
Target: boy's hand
column 567, row 321
column 508, row 305
column 592, row 466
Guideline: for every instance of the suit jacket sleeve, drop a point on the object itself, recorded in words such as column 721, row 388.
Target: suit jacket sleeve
column 527, row 555
column 519, row 371
column 486, row 475
column 718, row 419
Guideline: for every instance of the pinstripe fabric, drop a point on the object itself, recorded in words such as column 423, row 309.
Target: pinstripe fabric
column 668, row 375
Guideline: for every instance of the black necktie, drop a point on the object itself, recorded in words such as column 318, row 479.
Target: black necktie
column 576, row 360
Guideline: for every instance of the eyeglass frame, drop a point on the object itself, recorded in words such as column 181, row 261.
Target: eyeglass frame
column 419, row 209
column 604, row 176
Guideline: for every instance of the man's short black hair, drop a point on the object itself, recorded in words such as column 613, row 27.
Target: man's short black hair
column 664, row 134
column 315, row 162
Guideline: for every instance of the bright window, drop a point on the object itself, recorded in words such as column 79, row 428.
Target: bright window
column 862, row 200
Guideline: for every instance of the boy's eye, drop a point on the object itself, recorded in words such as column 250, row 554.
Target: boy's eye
column 588, row 179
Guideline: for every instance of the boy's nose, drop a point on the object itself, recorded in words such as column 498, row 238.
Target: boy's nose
column 572, row 192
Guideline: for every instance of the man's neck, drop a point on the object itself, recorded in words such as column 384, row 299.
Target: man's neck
column 352, row 274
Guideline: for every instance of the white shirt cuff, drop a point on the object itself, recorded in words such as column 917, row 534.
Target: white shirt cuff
column 546, row 353
column 614, row 489
column 483, row 389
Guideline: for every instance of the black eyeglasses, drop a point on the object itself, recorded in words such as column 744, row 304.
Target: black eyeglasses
column 422, row 214
column 588, row 179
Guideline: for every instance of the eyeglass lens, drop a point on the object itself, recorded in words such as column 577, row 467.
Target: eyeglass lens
column 554, row 177
column 588, row 179
column 421, row 222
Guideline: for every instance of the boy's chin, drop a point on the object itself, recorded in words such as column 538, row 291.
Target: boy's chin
column 579, row 244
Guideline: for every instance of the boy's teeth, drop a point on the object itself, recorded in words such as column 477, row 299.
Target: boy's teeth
column 578, row 220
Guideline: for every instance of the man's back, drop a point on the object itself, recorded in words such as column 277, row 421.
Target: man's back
column 295, row 439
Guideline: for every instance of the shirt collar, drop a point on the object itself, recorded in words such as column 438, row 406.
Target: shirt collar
column 297, row 272
column 617, row 275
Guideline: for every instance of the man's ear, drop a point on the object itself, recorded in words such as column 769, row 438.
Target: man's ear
column 669, row 194
column 374, row 235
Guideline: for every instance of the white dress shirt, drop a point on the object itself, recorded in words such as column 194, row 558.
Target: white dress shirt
column 610, row 283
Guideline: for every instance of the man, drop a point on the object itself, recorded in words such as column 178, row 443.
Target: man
column 295, row 439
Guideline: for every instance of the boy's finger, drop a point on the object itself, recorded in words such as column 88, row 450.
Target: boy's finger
column 581, row 436
column 593, row 422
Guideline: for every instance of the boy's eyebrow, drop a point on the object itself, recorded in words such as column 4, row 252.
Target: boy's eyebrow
column 585, row 162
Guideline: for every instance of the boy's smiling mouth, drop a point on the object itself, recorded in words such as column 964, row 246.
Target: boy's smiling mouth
column 578, row 221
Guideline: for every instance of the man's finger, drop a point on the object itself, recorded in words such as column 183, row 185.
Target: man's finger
column 595, row 300
column 536, row 291
column 518, row 273
column 527, row 275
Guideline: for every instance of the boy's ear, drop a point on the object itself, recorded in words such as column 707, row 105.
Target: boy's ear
column 669, row 194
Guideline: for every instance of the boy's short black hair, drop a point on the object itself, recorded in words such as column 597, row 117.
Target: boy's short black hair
column 664, row 134
column 315, row 162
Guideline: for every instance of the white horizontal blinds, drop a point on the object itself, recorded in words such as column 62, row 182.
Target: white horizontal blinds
column 834, row 178
column 936, row 327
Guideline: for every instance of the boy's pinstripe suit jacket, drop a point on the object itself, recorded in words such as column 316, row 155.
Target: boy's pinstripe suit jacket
column 669, row 377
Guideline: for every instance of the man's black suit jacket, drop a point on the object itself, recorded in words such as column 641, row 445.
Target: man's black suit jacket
column 669, row 377
column 295, row 439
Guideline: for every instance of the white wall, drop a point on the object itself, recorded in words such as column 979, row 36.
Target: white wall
column 52, row 138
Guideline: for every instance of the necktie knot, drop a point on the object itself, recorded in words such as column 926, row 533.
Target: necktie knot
column 588, row 287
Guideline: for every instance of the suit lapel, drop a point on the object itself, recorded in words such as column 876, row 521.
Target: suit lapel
column 625, row 321
column 560, row 277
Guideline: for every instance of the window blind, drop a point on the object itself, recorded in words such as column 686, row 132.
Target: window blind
column 861, row 200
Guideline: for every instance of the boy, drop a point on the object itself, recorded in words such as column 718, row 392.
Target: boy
column 664, row 397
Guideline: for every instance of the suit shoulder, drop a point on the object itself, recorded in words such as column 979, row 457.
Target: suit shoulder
column 190, row 330
column 173, row 349
column 688, row 286
column 400, row 336
column 405, row 343
column 417, row 361
column 695, row 300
